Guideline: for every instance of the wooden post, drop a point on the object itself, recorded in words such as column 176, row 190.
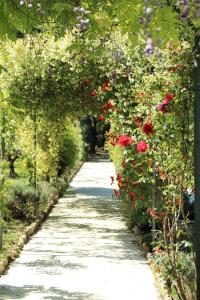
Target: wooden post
column 2, row 161
column 154, row 205
column 197, row 161
column 3, row 144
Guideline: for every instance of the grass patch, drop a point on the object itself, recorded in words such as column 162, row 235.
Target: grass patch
column 12, row 231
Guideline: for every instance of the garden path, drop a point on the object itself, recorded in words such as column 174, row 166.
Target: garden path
column 83, row 251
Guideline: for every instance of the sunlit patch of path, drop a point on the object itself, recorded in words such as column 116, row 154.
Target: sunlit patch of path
column 83, row 251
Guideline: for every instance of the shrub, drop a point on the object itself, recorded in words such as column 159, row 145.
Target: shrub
column 58, row 184
column 22, row 202
column 46, row 191
column 137, row 216
column 25, row 203
column 170, row 274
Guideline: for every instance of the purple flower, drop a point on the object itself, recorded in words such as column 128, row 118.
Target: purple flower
column 185, row 11
column 117, row 56
column 183, row 2
column 149, row 48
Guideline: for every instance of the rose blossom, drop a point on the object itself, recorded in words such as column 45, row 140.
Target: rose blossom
column 92, row 93
column 132, row 196
column 108, row 105
column 112, row 178
column 161, row 107
column 168, row 98
column 101, row 118
column 148, row 128
column 106, row 87
column 142, row 146
column 124, row 140
column 87, row 82
column 116, row 193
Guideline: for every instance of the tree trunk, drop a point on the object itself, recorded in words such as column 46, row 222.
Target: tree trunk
column 3, row 147
column 11, row 159
column 12, row 173
column 197, row 161
column 3, row 144
column 35, row 152
column 1, row 229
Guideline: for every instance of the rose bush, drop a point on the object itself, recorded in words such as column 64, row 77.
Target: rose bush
column 151, row 120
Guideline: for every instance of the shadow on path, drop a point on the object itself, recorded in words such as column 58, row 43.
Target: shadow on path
column 15, row 293
column 94, row 191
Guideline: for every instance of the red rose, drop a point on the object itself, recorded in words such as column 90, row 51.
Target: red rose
column 92, row 93
column 148, row 128
column 132, row 196
column 87, row 82
column 108, row 105
column 119, row 178
column 101, row 118
column 106, row 87
column 122, row 186
column 112, row 179
column 116, row 193
column 168, row 98
column 161, row 107
column 124, row 140
column 142, row 146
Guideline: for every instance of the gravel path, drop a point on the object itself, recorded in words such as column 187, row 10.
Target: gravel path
column 83, row 251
